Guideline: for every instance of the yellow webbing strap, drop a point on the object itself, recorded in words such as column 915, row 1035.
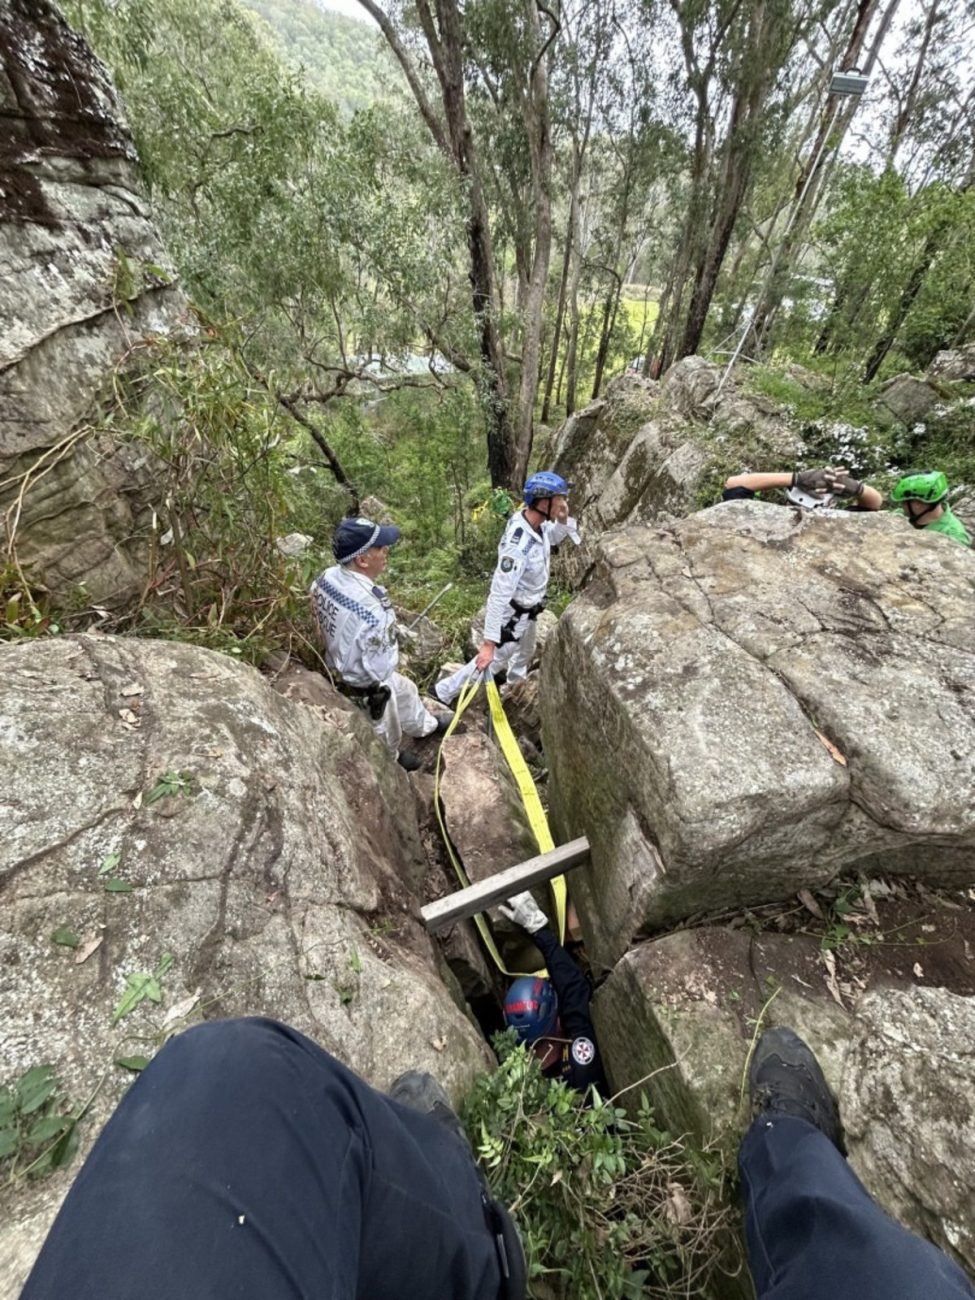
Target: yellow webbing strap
column 529, row 798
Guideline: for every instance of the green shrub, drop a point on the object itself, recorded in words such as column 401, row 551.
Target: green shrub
column 608, row 1206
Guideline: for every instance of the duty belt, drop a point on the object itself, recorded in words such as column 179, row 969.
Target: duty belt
column 531, row 612
column 372, row 698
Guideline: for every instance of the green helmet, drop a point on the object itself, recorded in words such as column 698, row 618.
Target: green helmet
column 930, row 487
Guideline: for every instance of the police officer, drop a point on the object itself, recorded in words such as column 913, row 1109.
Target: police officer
column 517, row 594
column 358, row 626
column 552, row 1015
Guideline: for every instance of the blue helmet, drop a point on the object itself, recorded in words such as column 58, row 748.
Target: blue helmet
column 544, row 484
column 531, row 1008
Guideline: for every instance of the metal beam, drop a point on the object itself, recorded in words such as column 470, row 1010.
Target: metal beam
column 495, row 889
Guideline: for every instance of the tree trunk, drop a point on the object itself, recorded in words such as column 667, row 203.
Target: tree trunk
column 560, row 309
column 810, row 182
column 454, row 137
column 610, row 309
column 732, row 186
column 535, row 112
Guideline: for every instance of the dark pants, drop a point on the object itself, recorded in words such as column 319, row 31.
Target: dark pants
column 814, row 1233
column 246, row 1164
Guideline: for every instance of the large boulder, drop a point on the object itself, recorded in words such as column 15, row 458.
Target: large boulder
column 646, row 451
column 86, row 283
column 954, row 363
column 270, row 848
column 764, row 698
column 906, row 1099
column 907, row 399
column 678, row 1015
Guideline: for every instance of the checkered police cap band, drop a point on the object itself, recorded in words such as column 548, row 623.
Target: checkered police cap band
column 367, row 545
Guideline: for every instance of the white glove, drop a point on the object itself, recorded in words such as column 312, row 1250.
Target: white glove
column 524, row 911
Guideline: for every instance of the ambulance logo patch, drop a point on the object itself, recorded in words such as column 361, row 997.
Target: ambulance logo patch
column 507, row 564
column 583, row 1051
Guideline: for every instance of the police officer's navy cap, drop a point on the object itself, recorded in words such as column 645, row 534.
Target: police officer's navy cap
column 355, row 536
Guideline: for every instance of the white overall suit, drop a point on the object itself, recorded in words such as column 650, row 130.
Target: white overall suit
column 515, row 599
column 358, row 626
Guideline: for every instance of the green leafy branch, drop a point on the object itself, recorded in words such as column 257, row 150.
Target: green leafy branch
column 140, row 986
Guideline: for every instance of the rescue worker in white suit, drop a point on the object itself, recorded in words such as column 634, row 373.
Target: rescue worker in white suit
column 358, row 626
column 520, row 581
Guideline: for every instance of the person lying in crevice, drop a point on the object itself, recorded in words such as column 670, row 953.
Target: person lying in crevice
column 552, row 1015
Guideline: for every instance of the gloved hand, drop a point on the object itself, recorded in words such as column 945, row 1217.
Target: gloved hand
column 524, row 911
column 842, row 484
column 813, row 481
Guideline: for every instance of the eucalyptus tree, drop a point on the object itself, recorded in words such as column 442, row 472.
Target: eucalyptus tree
column 498, row 52
column 853, row 40
column 315, row 244
column 585, row 50
column 921, row 141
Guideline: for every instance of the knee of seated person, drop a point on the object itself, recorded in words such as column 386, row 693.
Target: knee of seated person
column 238, row 1045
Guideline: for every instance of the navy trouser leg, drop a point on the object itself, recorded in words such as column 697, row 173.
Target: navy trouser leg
column 815, row 1233
column 245, row 1163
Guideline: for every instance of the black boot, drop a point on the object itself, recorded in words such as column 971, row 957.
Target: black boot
column 785, row 1079
column 421, row 1092
column 408, row 762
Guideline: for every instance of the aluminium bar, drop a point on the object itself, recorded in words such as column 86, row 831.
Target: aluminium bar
column 495, row 889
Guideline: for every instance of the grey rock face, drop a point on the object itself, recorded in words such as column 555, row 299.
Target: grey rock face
column 641, row 454
column 907, row 1104
column 677, row 1016
column 906, row 398
column 954, row 363
column 283, row 882
column 85, row 283
column 716, row 673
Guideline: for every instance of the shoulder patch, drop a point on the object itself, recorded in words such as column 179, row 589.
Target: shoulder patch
column 583, row 1051
column 517, row 535
column 507, row 564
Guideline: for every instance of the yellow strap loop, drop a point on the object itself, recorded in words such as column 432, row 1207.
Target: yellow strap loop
column 529, row 798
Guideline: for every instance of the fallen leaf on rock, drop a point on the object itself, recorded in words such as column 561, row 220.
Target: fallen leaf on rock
column 109, row 863
column 439, row 1043
column 834, row 753
column 867, row 903
column 829, row 961
column 133, row 688
column 87, row 948
column 131, row 719
column 810, row 904
column 180, row 1009
column 63, row 936
column 137, row 801
column 918, row 970
column 133, row 1063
